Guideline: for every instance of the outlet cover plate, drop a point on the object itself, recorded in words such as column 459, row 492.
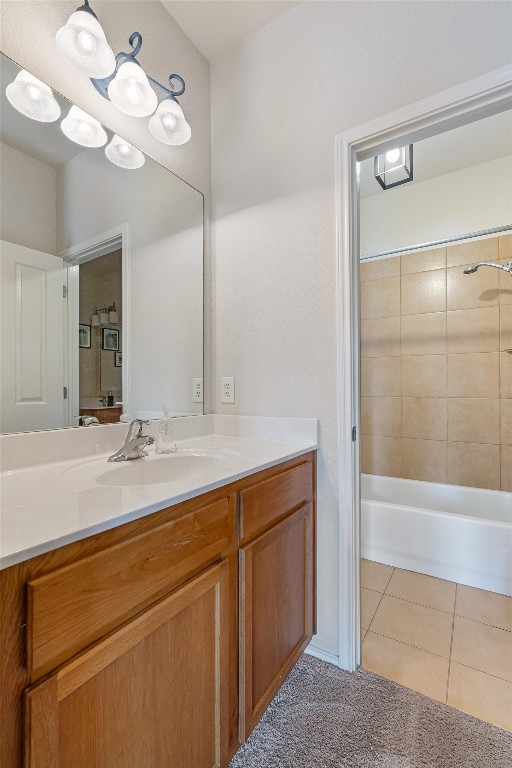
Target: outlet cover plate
column 227, row 389
column 197, row 389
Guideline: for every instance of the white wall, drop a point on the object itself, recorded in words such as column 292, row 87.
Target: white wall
column 471, row 200
column 166, row 259
column 278, row 102
column 28, row 34
column 28, row 195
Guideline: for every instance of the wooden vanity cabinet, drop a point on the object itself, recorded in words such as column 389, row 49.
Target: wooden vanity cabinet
column 159, row 643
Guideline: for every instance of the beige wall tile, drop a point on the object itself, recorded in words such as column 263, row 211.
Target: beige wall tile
column 505, row 246
column 375, row 575
column 376, row 269
column 472, row 251
column 506, row 468
column 424, row 334
column 473, row 330
column 482, row 647
column 380, row 337
column 414, row 624
column 424, row 292
column 421, row 671
column 422, row 589
column 505, row 284
column 506, row 326
column 481, row 289
column 506, row 374
column 369, row 604
column 421, row 261
column 424, row 460
column 481, row 695
column 474, row 420
column 473, row 375
column 485, row 607
column 474, row 464
column 424, row 418
column 506, row 421
column 424, row 376
column 380, row 377
column 381, row 455
column 380, row 298
column 381, row 416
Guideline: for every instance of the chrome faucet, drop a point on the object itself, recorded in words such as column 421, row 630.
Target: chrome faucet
column 135, row 443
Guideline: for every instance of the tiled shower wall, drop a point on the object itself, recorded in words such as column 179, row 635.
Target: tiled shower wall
column 436, row 376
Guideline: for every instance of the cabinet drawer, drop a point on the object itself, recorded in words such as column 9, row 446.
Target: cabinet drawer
column 75, row 605
column 264, row 503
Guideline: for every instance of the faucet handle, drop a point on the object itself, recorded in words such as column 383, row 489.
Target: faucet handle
column 136, row 427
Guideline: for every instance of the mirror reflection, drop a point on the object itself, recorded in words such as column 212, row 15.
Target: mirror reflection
column 101, row 270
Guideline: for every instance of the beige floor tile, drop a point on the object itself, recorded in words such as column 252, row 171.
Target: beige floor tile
column 375, row 575
column 481, row 695
column 486, row 607
column 414, row 624
column 369, row 603
column 421, row 671
column 482, row 647
column 422, row 589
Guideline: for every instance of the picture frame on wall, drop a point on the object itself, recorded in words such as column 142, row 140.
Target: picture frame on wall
column 118, row 359
column 110, row 339
column 84, row 336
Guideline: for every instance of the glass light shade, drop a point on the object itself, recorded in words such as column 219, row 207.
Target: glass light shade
column 131, row 92
column 394, row 167
column 114, row 317
column 83, row 129
column 168, row 124
column 104, row 318
column 33, row 98
column 95, row 320
column 123, row 154
column 83, row 44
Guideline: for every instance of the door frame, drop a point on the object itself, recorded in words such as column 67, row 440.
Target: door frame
column 99, row 245
column 464, row 103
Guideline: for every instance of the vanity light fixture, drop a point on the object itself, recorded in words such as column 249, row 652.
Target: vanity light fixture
column 83, row 129
column 125, row 155
column 121, row 78
column 33, row 98
column 394, row 167
column 83, row 44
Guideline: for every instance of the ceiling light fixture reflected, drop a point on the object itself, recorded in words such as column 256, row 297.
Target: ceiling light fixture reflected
column 123, row 154
column 83, row 129
column 33, row 98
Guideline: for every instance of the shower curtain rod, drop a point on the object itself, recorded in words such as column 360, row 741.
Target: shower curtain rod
column 433, row 243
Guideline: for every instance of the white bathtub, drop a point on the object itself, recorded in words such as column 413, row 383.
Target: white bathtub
column 452, row 532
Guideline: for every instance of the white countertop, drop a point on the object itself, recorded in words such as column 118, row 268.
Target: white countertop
column 45, row 506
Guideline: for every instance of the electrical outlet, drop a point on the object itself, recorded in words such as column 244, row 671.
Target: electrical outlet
column 197, row 390
column 227, row 389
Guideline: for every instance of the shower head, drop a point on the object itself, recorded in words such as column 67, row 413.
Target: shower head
column 473, row 267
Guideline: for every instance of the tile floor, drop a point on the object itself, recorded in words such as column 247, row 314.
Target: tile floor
column 445, row 640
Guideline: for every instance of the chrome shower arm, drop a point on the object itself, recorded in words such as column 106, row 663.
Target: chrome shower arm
column 473, row 268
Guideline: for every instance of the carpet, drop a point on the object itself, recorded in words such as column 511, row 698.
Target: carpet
column 324, row 717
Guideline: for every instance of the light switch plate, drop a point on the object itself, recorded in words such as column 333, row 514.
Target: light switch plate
column 227, row 389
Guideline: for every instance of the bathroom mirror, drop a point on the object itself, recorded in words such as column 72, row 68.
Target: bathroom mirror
column 101, row 278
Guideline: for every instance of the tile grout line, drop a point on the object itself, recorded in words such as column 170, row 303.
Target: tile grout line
column 451, row 644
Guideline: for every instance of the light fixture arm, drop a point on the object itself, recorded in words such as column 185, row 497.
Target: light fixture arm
column 135, row 41
column 87, row 8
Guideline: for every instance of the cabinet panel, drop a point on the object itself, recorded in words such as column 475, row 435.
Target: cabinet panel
column 153, row 693
column 264, row 503
column 72, row 607
column 277, row 609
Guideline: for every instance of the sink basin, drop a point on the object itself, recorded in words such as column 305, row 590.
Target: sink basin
column 155, row 469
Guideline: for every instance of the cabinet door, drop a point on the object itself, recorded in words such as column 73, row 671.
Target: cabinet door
column 277, row 578
column 150, row 695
